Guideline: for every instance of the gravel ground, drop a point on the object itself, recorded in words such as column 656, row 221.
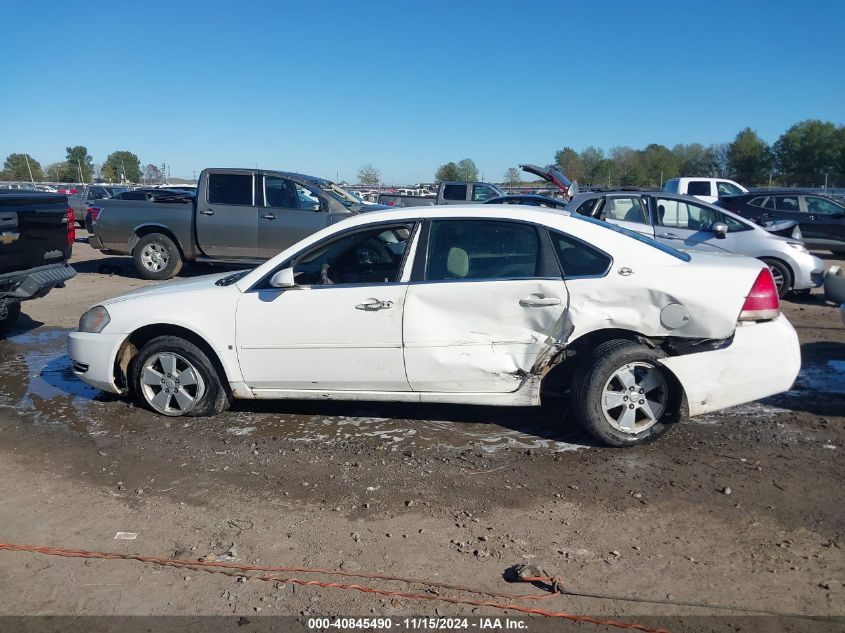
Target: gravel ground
column 742, row 508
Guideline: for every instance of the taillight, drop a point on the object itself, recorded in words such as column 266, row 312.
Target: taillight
column 95, row 212
column 762, row 303
column 71, row 227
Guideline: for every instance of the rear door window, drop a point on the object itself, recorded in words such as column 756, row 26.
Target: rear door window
column 698, row 188
column 455, row 192
column 235, row 189
column 789, row 204
column 482, row 249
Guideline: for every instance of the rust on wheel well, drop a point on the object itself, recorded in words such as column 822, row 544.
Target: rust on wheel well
column 140, row 337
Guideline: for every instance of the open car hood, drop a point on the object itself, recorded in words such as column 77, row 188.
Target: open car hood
column 552, row 174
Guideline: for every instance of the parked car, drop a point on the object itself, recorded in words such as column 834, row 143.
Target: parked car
column 529, row 199
column 479, row 304
column 89, row 193
column 706, row 189
column 821, row 217
column 685, row 222
column 237, row 215
column 453, row 192
column 36, row 239
column 551, row 174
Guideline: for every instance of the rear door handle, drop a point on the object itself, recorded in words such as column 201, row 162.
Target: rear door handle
column 269, row 216
column 207, row 212
column 371, row 305
column 538, row 301
column 670, row 236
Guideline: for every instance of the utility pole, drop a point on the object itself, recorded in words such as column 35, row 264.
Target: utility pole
column 79, row 167
column 29, row 169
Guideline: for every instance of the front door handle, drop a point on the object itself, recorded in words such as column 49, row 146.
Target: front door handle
column 538, row 301
column 207, row 212
column 670, row 236
column 371, row 305
column 269, row 216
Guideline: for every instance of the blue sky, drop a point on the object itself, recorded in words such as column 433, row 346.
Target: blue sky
column 323, row 87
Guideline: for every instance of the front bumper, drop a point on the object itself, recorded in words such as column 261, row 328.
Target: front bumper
column 763, row 359
column 808, row 271
column 34, row 283
column 93, row 358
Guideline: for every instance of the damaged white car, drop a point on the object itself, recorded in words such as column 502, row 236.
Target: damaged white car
column 490, row 305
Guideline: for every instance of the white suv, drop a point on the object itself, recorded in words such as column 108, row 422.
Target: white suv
column 706, row 189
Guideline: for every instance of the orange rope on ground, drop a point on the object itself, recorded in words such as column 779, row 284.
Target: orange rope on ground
column 236, row 570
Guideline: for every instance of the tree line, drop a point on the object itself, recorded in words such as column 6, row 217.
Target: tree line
column 79, row 166
column 809, row 153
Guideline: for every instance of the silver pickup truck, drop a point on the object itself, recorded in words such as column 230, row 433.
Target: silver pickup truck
column 238, row 215
column 456, row 192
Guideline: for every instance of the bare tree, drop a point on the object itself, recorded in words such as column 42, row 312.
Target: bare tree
column 369, row 175
column 511, row 175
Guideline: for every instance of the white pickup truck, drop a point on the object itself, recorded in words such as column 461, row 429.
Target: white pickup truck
column 706, row 189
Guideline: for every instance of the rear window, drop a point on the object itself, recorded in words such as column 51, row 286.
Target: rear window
column 578, row 259
column 698, row 188
column 636, row 236
column 230, row 189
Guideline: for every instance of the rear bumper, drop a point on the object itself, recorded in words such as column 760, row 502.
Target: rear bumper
column 34, row 283
column 762, row 360
column 92, row 357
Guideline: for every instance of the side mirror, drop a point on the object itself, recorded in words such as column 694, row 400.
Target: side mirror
column 720, row 230
column 283, row 279
column 323, row 206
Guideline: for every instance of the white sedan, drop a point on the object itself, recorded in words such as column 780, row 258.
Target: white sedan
column 485, row 304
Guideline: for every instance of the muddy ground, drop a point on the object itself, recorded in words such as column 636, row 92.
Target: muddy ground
column 742, row 508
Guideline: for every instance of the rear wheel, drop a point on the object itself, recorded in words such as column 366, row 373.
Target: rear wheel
column 9, row 314
column 156, row 256
column 781, row 274
column 174, row 377
column 623, row 396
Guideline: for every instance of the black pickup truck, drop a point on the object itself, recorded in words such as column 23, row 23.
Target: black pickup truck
column 36, row 238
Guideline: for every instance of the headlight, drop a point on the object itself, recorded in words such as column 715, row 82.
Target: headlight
column 94, row 320
column 798, row 246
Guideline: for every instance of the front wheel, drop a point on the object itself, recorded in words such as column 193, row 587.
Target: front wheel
column 156, row 256
column 174, row 377
column 781, row 275
column 623, row 396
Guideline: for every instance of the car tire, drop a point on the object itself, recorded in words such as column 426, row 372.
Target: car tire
column 157, row 257
column 781, row 274
column 13, row 313
column 184, row 369
column 606, row 376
